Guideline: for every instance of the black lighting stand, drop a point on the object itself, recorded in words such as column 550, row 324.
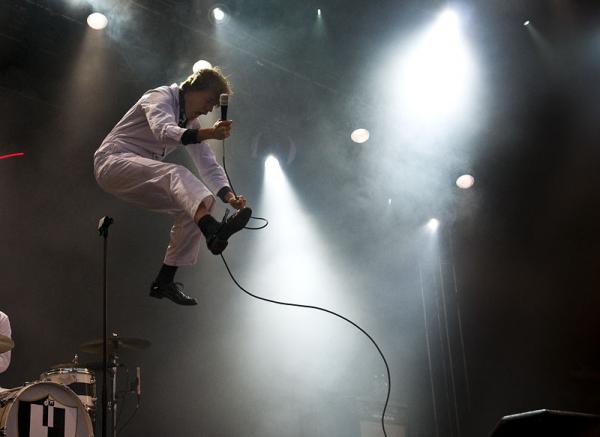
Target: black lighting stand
column 103, row 226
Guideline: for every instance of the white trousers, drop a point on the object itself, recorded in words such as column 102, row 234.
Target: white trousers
column 162, row 187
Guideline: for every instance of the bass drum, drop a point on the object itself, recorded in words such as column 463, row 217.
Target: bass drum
column 42, row 409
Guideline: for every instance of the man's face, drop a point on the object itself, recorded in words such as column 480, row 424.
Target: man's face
column 199, row 103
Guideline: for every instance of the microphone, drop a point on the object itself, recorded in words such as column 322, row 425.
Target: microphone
column 105, row 222
column 223, row 102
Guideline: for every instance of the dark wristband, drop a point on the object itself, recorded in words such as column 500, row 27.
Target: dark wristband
column 189, row 136
column 224, row 192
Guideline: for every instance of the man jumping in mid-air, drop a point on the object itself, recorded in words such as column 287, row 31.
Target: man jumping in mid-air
column 129, row 165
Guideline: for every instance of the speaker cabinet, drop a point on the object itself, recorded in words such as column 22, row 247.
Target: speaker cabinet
column 548, row 423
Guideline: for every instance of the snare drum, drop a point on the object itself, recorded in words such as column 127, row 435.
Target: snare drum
column 43, row 409
column 78, row 379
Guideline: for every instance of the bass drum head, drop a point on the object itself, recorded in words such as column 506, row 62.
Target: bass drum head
column 78, row 379
column 42, row 409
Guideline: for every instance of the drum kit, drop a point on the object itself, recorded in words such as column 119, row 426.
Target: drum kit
column 63, row 401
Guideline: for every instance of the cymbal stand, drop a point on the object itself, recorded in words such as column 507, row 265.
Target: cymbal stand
column 113, row 374
column 103, row 226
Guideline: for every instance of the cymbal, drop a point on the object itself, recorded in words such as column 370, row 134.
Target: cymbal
column 115, row 343
column 6, row 343
column 91, row 365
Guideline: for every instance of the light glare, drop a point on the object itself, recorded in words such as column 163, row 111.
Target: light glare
column 295, row 251
column 465, row 181
column 97, row 21
column 274, row 177
column 360, row 135
column 433, row 224
column 437, row 71
column 526, row 23
column 272, row 163
column 218, row 14
column 12, row 155
column 448, row 20
column 201, row 65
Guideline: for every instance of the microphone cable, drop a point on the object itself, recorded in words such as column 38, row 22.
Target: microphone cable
column 325, row 310
column 233, row 189
column 311, row 307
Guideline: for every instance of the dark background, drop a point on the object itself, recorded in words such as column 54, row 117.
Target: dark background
column 516, row 256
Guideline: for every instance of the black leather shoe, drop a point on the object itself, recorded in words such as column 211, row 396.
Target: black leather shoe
column 217, row 241
column 173, row 291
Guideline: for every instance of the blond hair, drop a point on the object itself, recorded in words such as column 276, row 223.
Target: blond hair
column 207, row 79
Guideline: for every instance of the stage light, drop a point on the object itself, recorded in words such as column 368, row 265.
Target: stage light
column 97, row 21
column 274, row 176
column 276, row 143
column 526, row 23
column 360, row 135
column 448, row 21
column 390, row 201
column 319, row 12
column 218, row 14
column 436, row 75
column 433, row 224
column 298, row 252
column 201, row 65
column 272, row 164
column 465, row 181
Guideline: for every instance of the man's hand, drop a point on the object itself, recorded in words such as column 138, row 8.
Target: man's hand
column 221, row 129
column 237, row 202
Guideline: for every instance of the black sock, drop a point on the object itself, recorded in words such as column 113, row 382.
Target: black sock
column 166, row 274
column 208, row 225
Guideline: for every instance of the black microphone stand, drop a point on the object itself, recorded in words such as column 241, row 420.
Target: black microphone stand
column 103, row 226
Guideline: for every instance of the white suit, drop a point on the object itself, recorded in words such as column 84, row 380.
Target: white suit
column 129, row 165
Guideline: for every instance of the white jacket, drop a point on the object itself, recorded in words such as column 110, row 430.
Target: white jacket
column 150, row 129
